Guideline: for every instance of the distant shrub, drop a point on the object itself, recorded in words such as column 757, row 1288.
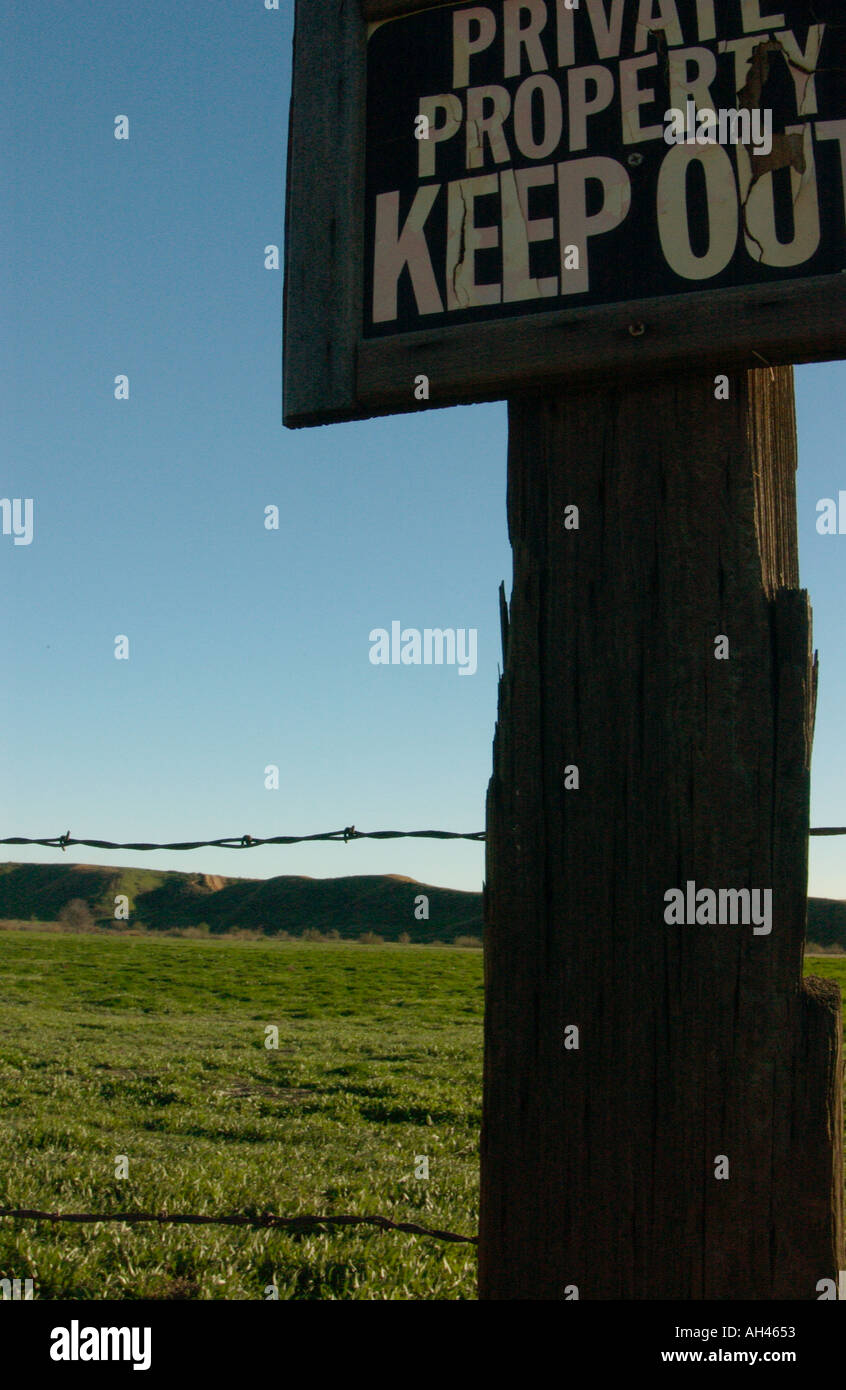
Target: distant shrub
column 404, row 938
column 76, row 915
column 371, row 938
column 312, row 934
column 467, row 941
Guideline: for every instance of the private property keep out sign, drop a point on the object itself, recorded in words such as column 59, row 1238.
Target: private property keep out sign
column 521, row 157
column 485, row 199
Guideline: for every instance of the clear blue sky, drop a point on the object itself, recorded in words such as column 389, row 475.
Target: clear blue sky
column 248, row 647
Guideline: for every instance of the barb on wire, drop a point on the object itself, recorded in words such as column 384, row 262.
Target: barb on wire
column 265, row 1220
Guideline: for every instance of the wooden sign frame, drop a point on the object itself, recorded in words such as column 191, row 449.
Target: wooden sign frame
column 331, row 372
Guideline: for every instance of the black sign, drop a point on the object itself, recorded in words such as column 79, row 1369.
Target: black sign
column 524, row 157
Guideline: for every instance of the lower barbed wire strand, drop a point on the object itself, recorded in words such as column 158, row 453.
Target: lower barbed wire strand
column 266, row 1221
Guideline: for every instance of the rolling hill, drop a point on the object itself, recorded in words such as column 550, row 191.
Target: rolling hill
column 350, row 905
column 159, row 900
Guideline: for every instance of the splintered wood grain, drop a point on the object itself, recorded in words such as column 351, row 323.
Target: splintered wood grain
column 598, row 1164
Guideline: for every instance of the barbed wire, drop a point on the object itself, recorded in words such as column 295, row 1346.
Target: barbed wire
column 265, row 1220
column 250, row 841
column 65, row 841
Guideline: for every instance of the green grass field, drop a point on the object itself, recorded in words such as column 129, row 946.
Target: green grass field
column 155, row 1049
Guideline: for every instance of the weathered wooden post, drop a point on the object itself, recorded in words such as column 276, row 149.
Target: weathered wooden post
column 613, row 217
column 662, row 1114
